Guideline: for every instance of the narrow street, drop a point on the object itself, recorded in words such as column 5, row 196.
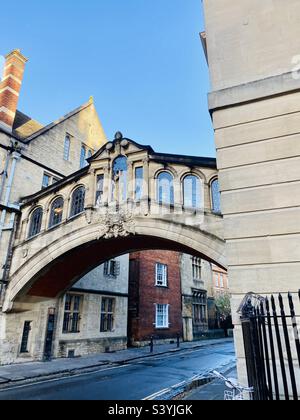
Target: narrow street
column 134, row 381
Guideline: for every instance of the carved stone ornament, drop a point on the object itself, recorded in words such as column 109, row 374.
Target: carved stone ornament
column 114, row 225
column 25, row 252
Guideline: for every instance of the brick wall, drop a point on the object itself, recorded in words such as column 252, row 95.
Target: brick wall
column 142, row 315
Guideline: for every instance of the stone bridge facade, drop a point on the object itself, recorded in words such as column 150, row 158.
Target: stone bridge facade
column 127, row 198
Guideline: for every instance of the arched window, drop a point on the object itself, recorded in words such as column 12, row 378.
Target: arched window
column 82, row 157
column 215, row 196
column 35, row 222
column 165, row 188
column 192, row 192
column 77, row 204
column 119, row 179
column 56, row 212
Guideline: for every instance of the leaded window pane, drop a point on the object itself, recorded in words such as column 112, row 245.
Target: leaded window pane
column 77, row 205
column 119, row 181
column 215, row 194
column 139, row 179
column 56, row 212
column 35, row 222
column 192, row 192
column 165, row 188
column 99, row 190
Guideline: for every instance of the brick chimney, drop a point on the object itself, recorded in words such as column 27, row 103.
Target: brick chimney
column 10, row 87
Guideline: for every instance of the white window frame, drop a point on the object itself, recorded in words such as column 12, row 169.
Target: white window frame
column 163, row 282
column 165, row 316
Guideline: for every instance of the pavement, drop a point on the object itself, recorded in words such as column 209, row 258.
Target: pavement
column 38, row 371
column 213, row 390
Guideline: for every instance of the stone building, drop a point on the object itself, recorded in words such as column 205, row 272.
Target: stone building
column 253, row 48
column 92, row 316
column 196, row 282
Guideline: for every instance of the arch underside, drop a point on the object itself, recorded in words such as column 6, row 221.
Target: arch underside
column 58, row 266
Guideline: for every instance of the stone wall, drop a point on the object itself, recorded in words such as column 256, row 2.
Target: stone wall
column 255, row 107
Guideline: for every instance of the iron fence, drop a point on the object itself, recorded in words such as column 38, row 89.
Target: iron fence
column 272, row 346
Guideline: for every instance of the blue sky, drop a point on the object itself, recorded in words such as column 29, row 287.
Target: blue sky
column 142, row 61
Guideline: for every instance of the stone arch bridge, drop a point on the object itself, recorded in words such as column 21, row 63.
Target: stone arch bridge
column 126, row 198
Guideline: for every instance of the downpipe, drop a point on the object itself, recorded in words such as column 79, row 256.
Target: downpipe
column 4, row 173
column 15, row 157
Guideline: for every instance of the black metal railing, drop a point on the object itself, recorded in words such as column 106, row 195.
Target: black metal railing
column 272, row 346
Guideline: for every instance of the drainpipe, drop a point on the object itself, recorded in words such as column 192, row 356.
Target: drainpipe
column 4, row 174
column 15, row 157
column 7, row 265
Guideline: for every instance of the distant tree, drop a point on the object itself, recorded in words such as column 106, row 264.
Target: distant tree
column 223, row 305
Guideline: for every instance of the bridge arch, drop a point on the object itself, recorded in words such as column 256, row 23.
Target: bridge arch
column 57, row 265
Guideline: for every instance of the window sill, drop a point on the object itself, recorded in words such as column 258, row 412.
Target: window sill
column 71, row 218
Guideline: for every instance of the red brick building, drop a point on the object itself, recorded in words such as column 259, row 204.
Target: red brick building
column 155, row 307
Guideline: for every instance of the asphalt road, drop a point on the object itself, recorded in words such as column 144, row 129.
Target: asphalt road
column 135, row 381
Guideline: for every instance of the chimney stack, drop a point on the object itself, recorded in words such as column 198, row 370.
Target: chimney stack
column 10, row 87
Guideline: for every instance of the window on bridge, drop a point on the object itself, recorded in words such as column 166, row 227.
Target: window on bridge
column 139, row 179
column 99, row 190
column 215, row 196
column 35, row 222
column 119, row 179
column 165, row 188
column 56, row 212
column 192, row 192
column 72, row 316
column 77, row 204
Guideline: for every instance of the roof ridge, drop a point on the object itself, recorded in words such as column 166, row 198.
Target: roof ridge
column 59, row 121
